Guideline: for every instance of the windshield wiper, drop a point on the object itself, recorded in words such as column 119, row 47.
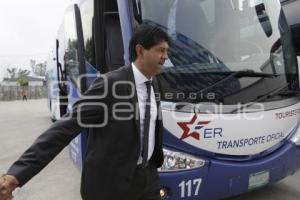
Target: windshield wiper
column 281, row 91
column 242, row 73
column 237, row 74
column 228, row 76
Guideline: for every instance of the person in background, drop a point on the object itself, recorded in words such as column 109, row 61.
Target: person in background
column 24, row 95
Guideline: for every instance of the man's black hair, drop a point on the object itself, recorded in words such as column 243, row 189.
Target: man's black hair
column 147, row 36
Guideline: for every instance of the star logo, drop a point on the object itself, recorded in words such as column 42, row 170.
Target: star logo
column 190, row 128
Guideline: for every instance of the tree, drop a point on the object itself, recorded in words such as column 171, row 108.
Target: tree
column 32, row 64
column 23, row 73
column 18, row 75
column 38, row 69
column 12, row 73
column 22, row 77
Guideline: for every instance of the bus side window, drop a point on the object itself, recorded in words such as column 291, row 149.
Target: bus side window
column 71, row 60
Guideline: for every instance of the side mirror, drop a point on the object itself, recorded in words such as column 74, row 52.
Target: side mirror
column 264, row 19
column 291, row 11
column 137, row 11
column 61, row 76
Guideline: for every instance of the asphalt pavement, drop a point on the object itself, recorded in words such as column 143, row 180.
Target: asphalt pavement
column 21, row 122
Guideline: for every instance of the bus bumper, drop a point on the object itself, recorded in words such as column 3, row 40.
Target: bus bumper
column 220, row 179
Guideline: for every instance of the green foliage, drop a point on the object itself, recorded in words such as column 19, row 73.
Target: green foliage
column 22, row 82
column 22, row 77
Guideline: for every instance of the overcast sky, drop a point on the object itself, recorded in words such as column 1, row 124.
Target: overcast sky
column 28, row 30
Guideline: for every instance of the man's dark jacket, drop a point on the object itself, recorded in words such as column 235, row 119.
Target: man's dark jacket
column 112, row 150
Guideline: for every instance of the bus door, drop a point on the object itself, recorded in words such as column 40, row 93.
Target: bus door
column 93, row 46
column 71, row 68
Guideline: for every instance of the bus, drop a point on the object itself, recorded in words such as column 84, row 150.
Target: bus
column 229, row 91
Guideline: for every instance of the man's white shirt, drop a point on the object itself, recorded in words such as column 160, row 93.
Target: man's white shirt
column 141, row 90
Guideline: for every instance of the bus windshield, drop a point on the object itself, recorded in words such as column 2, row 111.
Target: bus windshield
column 212, row 39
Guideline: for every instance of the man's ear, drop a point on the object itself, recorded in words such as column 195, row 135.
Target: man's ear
column 139, row 49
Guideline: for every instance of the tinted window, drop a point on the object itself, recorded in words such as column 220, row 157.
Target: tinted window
column 86, row 10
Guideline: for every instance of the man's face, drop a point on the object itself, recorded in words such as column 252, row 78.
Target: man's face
column 154, row 58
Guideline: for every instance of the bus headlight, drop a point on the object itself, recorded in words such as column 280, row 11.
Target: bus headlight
column 174, row 161
column 296, row 137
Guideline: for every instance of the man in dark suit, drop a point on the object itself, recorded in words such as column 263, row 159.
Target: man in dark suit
column 124, row 147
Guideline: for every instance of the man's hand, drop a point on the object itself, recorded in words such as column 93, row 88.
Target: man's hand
column 7, row 185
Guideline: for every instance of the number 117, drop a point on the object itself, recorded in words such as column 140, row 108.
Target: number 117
column 188, row 186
